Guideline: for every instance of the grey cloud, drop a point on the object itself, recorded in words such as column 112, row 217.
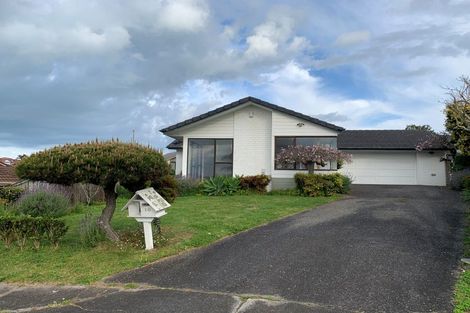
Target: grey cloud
column 113, row 66
column 332, row 117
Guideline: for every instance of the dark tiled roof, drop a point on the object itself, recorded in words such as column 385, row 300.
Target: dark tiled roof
column 175, row 144
column 258, row 102
column 373, row 140
column 8, row 175
column 386, row 139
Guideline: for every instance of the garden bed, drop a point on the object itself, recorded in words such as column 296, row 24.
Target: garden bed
column 192, row 221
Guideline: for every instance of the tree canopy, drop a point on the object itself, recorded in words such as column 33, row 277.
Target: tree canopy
column 457, row 113
column 103, row 163
column 310, row 156
column 418, row 127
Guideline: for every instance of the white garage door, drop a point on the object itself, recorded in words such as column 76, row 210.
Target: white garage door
column 395, row 168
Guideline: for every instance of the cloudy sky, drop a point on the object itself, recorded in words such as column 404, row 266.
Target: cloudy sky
column 72, row 71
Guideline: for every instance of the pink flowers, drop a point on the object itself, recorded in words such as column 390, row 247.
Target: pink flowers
column 310, row 155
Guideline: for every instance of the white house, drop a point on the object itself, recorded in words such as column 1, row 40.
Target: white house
column 243, row 137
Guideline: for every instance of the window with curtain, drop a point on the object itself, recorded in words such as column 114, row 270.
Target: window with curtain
column 284, row 142
column 210, row 157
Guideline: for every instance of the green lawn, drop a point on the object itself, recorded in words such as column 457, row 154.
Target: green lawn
column 191, row 222
column 462, row 288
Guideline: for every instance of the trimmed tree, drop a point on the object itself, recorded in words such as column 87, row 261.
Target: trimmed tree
column 310, row 156
column 106, row 164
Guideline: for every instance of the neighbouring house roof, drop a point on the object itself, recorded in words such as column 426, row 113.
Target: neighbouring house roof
column 387, row 140
column 4, row 161
column 169, row 156
column 8, row 175
column 175, row 144
column 258, row 102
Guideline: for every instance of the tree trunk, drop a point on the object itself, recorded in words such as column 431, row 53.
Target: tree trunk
column 311, row 167
column 104, row 221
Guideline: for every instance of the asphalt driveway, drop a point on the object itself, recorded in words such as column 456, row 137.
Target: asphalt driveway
column 383, row 249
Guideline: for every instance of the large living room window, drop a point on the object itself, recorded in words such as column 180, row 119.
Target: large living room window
column 283, row 142
column 210, row 157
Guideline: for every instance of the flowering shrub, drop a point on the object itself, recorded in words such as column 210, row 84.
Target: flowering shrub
column 310, row 155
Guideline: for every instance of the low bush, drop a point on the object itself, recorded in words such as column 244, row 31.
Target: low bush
column 90, row 233
column 457, row 178
column 257, row 183
column 466, row 183
column 221, row 186
column 188, row 186
column 461, row 162
column 167, row 187
column 124, row 192
column 466, row 195
column 10, row 194
column 315, row 185
column 34, row 230
column 43, row 204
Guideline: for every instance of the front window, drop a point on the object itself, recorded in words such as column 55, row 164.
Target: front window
column 210, row 157
column 284, row 142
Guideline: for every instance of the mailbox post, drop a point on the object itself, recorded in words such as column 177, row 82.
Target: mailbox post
column 145, row 206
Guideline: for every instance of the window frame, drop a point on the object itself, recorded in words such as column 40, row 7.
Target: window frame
column 188, row 167
column 296, row 164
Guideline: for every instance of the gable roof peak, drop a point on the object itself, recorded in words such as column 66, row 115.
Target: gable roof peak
column 255, row 101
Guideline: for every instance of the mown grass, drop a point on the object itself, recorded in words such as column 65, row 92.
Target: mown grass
column 462, row 288
column 192, row 221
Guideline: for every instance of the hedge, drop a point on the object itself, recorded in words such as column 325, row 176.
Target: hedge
column 10, row 194
column 27, row 229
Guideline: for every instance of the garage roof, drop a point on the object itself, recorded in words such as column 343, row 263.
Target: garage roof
column 388, row 140
column 375, row 140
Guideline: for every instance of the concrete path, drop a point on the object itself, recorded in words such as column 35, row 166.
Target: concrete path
column 384, row 249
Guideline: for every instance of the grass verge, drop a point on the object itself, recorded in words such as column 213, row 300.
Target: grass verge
column 192, row 221
column 462, row 288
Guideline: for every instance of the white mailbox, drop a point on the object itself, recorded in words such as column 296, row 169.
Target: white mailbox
column 144, row 206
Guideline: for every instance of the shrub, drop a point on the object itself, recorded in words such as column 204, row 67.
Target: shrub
column 43, row 204
column 457, row 178
column 188, row 186
column 166, row 186
column 466, row 183
column 10, row 194
column 466, row 195
column 461, row 162
column 347, row 182
column 124, row 192
column 221, row 186
column 24, row 229
column 256, row 183
column 90, row 233
column 314, row 185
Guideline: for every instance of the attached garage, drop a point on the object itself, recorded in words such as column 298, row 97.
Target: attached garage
column 396, row 168
column 389, row 157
